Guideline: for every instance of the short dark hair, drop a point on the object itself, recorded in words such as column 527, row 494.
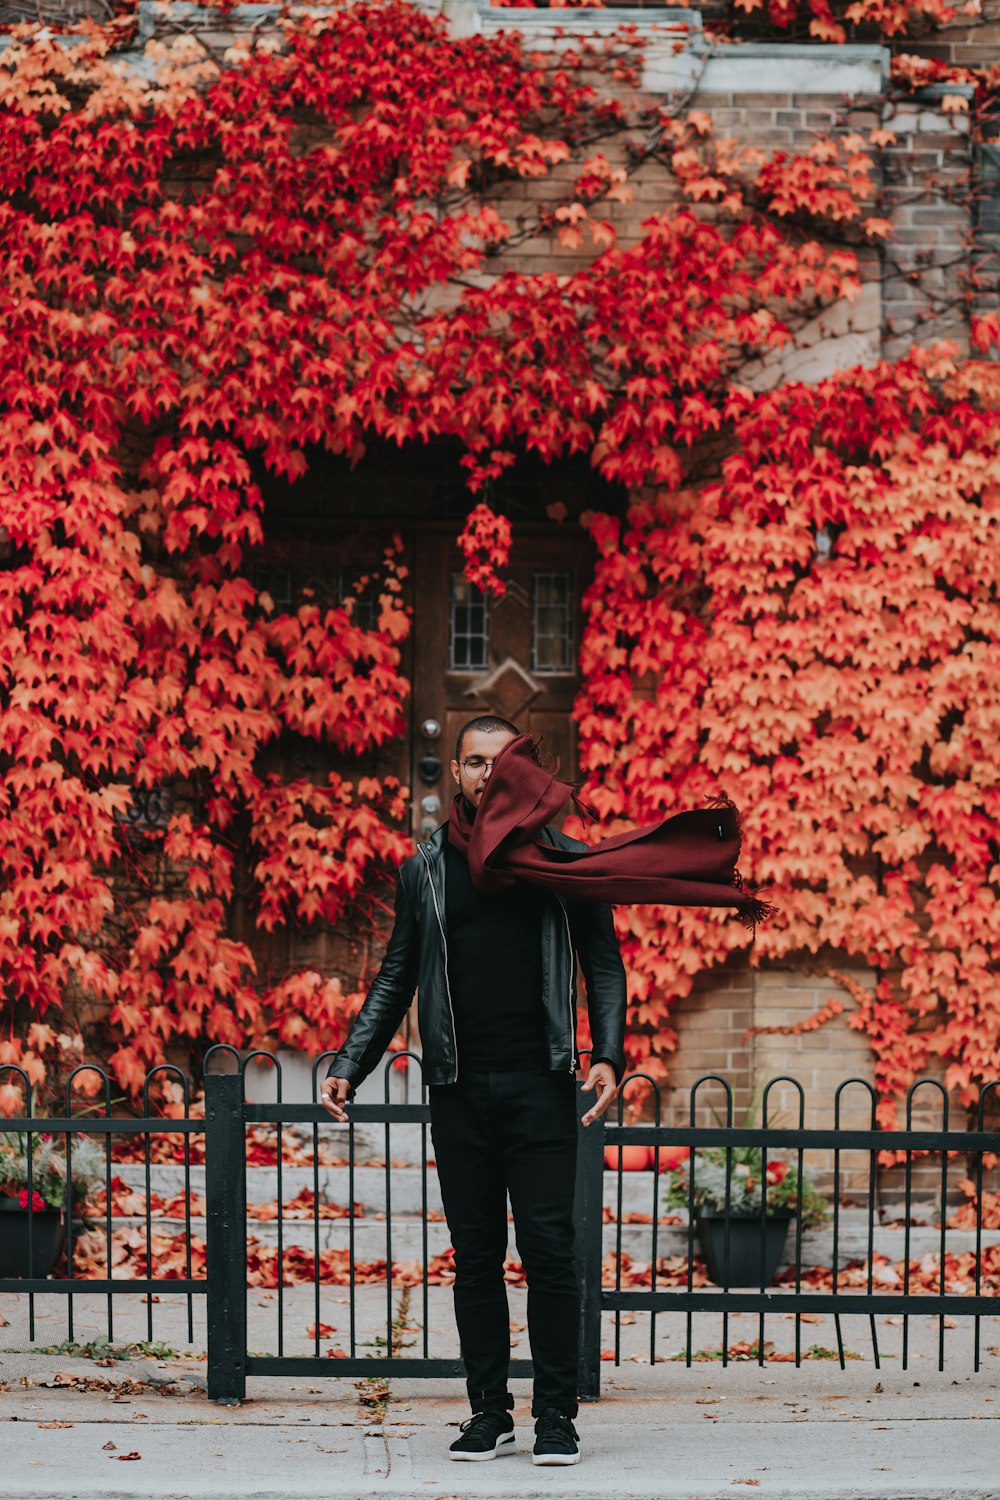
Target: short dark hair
column 485, row 724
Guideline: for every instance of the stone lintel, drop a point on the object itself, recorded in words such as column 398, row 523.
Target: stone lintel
column 823, row 69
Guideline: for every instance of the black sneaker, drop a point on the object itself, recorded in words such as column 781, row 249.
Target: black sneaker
column 556, row 1439
column 486, row 1434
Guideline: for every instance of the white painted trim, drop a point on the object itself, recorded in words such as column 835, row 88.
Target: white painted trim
column 584, row 21
column 755, row 67
column 741, row 68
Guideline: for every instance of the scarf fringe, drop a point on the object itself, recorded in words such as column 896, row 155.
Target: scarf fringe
column 754, row 909
column 583, row 808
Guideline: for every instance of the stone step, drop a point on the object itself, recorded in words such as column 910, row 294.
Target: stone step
column 406, row 1193
column 406, row 1189
column 636, row 1239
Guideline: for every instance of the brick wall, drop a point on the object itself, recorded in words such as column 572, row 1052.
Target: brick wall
column 969, row 41
column 914, row 287
column 928, row 177
column 713, row 1023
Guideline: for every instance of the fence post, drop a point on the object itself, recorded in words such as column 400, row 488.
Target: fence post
column 589, row 1215
column 225, row 1211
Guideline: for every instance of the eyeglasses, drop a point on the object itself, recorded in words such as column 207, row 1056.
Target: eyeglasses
column 475, row 766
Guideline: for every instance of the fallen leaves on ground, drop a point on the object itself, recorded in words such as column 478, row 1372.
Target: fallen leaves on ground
column 964, row 1217
column 64, row 1380
column 303, row 1206
column 918, row 1275
column 609, row 1216
column 261, row 1149
column 128, row 1202
column 166, row 1258
column 127, row 1257
column 671, row 1270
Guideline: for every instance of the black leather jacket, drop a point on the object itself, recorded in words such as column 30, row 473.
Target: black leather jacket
column 417, row 958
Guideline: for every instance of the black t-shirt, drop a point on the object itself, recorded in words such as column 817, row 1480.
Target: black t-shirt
column 495, row 972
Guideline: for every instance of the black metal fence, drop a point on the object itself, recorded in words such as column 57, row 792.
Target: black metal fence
column 794, row 1297
column 103, row 1127
column 726, row 1182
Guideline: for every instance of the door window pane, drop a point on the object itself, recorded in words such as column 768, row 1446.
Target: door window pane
column 469, row 626
column 277, row 584
column 290, row 589
column 552, row 623
column 363, row 590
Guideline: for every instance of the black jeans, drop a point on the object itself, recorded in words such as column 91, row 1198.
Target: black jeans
column 494, row 1134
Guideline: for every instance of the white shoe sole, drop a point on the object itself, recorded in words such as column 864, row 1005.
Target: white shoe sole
column 555, row 1458
column 505, row 1445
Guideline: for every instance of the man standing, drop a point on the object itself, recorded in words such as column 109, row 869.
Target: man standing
column 496, row 974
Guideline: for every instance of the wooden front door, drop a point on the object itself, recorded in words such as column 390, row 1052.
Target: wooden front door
column 515, row 657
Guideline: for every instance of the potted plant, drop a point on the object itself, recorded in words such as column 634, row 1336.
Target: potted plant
column 39, row 1219
column 751, row 1235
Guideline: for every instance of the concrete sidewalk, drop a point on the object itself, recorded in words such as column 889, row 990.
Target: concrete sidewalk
column 816, row 1433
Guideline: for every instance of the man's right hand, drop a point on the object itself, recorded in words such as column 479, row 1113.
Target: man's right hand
column 333, row 1096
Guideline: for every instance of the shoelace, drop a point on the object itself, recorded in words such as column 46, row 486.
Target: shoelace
column 486, row 1417
column 557, row 1424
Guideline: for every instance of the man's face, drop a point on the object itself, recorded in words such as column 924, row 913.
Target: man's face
column 478, row 747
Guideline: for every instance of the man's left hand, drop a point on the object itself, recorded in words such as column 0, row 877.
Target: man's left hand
column 602, row 1078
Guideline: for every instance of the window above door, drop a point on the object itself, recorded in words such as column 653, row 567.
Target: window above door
column 468, row 626
column 552, row 622
column 552, row 634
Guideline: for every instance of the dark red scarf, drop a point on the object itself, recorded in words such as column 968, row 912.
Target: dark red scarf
column 689, row 860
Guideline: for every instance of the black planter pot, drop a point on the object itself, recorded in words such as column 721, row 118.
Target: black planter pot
column 48, row 1234
column 744, row 1245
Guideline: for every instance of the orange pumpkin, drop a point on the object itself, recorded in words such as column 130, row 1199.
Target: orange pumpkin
column 671, row 1157
column 633, row 1158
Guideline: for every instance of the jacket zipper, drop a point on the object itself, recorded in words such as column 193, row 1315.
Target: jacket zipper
column 572, row 975
column 444, row 950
